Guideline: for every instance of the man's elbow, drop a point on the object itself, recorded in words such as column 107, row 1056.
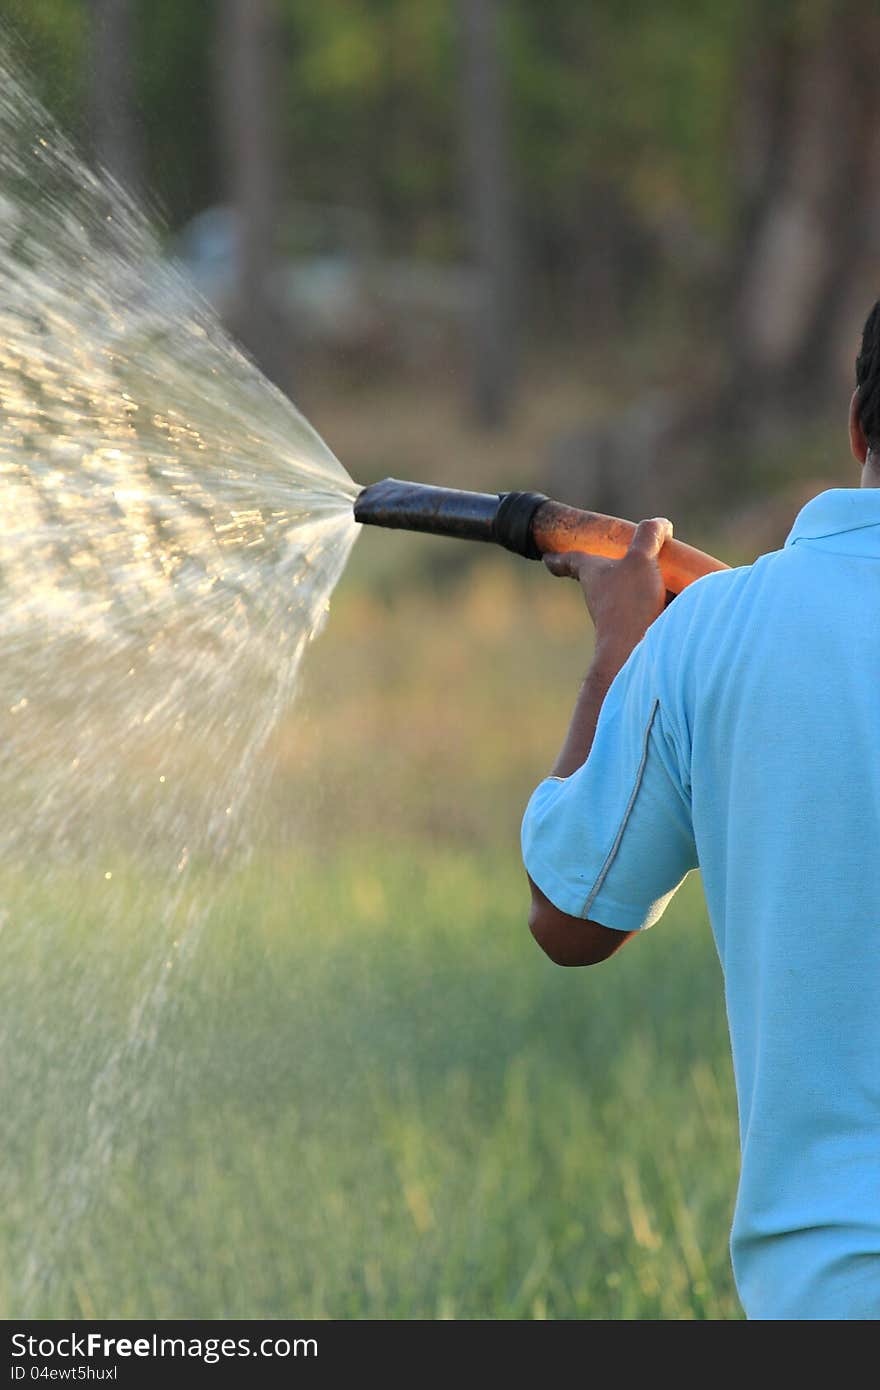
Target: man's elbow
column 571, row 940
column 552, row 943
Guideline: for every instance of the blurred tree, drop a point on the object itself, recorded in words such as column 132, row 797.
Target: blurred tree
column 247, row 92
column 489, row 210
column 177, row 90
column 808, row 173
column 115, row 132
column 371, row 115
column 696, row 184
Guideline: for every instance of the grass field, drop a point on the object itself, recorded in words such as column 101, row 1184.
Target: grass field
column 364, row 1104
column 369, row 1094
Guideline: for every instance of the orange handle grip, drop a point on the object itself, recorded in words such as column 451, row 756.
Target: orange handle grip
column 557, row 529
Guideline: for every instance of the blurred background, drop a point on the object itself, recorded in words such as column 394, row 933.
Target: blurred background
column 621, row 253
column 635, row 244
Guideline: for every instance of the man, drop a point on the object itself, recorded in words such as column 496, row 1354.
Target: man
column 739, row 731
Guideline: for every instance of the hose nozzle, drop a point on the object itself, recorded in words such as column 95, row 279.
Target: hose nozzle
column 527, row 523
column 504, row 518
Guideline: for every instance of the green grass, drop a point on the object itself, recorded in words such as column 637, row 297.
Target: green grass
column 373, row 1097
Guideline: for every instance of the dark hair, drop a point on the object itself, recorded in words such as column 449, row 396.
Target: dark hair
column 868, row 379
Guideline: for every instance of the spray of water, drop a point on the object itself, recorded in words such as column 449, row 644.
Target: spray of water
column 171, row 530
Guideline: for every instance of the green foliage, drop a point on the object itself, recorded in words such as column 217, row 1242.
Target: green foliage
column 50, row 37
column 635, row 96
column 625, row 124
column 370, row 112
column 177, row 100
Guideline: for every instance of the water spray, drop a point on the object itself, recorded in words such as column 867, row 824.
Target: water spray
column 528, row 523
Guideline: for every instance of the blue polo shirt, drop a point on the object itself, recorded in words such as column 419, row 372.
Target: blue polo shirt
column 743, row 737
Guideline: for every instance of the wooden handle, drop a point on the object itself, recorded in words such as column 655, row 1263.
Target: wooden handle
column 557, row 529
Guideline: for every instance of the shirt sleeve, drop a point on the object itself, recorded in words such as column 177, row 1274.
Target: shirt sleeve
column 613, row 841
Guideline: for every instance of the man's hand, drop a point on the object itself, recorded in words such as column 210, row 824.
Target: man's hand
column 623, row 596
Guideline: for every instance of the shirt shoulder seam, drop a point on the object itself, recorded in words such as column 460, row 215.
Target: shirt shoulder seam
column 612, row 853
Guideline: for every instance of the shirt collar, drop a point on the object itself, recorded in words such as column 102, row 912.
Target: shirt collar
column 838, row 510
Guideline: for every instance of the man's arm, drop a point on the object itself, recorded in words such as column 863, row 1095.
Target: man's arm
column 623, row 597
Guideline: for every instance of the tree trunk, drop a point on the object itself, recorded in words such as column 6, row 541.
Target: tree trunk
column 116, row 136
column 489, row 210
column 812, row 110
column 247, row 88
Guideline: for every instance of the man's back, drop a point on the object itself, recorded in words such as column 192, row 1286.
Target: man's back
column 744, row 732
column 785, row 782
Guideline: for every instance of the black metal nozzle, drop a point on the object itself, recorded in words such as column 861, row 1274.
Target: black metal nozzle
column 504, row 518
